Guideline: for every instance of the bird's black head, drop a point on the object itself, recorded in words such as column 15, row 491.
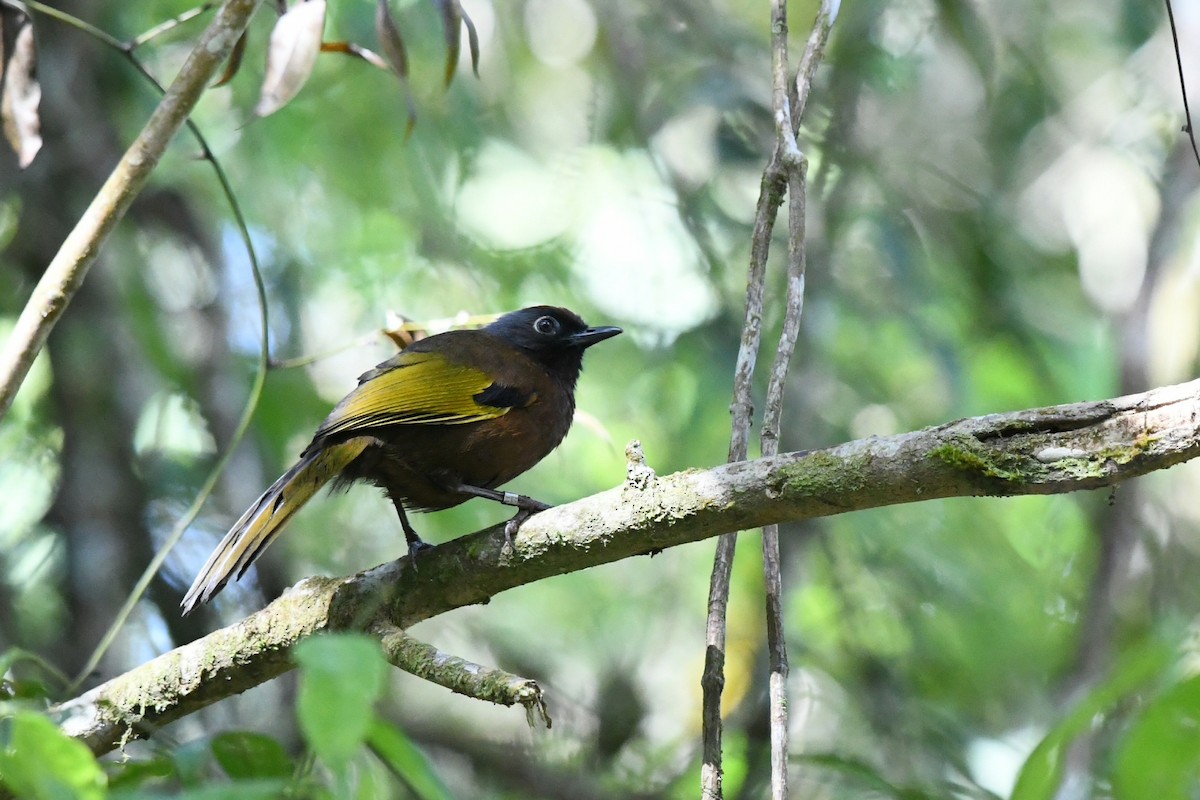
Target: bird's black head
column 548, row 330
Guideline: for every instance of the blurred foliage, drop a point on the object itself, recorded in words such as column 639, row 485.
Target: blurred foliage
column 1002, row 215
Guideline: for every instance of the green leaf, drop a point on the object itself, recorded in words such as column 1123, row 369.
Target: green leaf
column 1159, row 759
column 404, row 758
column 241, row 790
column 1042, row 772
column 37, row 760
column 192, row 761
column 864, row 774
column 341, row 677
column 134, row 774
column 14, row 656
column 245, row 755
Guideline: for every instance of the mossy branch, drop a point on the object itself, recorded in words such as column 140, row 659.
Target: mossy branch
column 1041, row 451
column 461, row 676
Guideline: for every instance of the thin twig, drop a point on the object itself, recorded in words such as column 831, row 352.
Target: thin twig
column 712, row 680
column 163, row 27
column 814, row 51
column 390, row 330
column 260, row 376
column 459, row 675
column 786, row 166
column 73, row 21
column 797, row 171
column 189, row 516
column 312, row 358
column 1187, row 114
column 70, row 265
column 794, row 166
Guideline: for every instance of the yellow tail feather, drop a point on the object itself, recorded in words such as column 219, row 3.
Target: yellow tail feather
column 265, row 518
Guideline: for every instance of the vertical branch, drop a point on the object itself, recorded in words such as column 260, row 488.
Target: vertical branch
column 785, row 172
column 772, row 416
column 771, row 193
column 814, row 51
column 794, row 167
column 69, row 267
column 789, row 110
column 712, row 681
column 1187, row 112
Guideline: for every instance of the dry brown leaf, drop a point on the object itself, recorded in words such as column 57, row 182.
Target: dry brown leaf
column 357, row 51
column 390, row 40
column 291, row 55
column 452, row 30
column 21, row 95
column 234, row 63
column 392, row 44
column 472, row 40
column 453, row 18
column 403, row 331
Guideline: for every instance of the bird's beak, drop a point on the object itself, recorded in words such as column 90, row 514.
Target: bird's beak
column 592, row 335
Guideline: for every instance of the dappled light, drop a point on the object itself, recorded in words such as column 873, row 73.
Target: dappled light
column 1001, row 213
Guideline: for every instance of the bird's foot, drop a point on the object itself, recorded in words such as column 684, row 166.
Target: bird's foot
column 417, row 545
column 528, row 509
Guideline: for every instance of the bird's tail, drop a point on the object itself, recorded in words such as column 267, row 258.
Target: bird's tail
column 264, row 520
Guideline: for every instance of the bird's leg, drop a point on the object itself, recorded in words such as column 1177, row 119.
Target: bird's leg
column 507, row 498
column 527, row 506
column 415, row 543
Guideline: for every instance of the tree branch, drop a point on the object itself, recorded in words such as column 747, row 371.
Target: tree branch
column 1040, row 451
column 789, row 113
column 459, row 675
column 70, row 265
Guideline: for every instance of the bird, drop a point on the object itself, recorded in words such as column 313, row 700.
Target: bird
column 449, row 418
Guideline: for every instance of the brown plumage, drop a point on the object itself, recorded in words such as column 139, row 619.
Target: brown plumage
column 449, row 418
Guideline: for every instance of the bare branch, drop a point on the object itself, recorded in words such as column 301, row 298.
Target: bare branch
column 461, row 676
column 796, row 166
column 169, row 25
column 1040, row 451
column 712, row 679
column 785, row 172
column 67, row 271
column 1187, row 112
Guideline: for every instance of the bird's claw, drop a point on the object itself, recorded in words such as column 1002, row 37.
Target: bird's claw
column 419, row 546
column 416, row 546
column 513, row 525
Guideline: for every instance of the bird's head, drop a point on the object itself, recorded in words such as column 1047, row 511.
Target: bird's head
column 549, row 331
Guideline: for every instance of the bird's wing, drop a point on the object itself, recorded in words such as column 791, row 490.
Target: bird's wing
column 418, row 389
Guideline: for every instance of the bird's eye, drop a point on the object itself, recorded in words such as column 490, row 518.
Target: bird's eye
column 547, row 326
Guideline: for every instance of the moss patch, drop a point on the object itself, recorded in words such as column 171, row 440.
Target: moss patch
column 967, row 454
column 1097, row 464
column 822, row 474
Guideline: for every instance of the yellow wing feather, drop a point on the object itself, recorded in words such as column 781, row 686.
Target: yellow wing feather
column 414, row 389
